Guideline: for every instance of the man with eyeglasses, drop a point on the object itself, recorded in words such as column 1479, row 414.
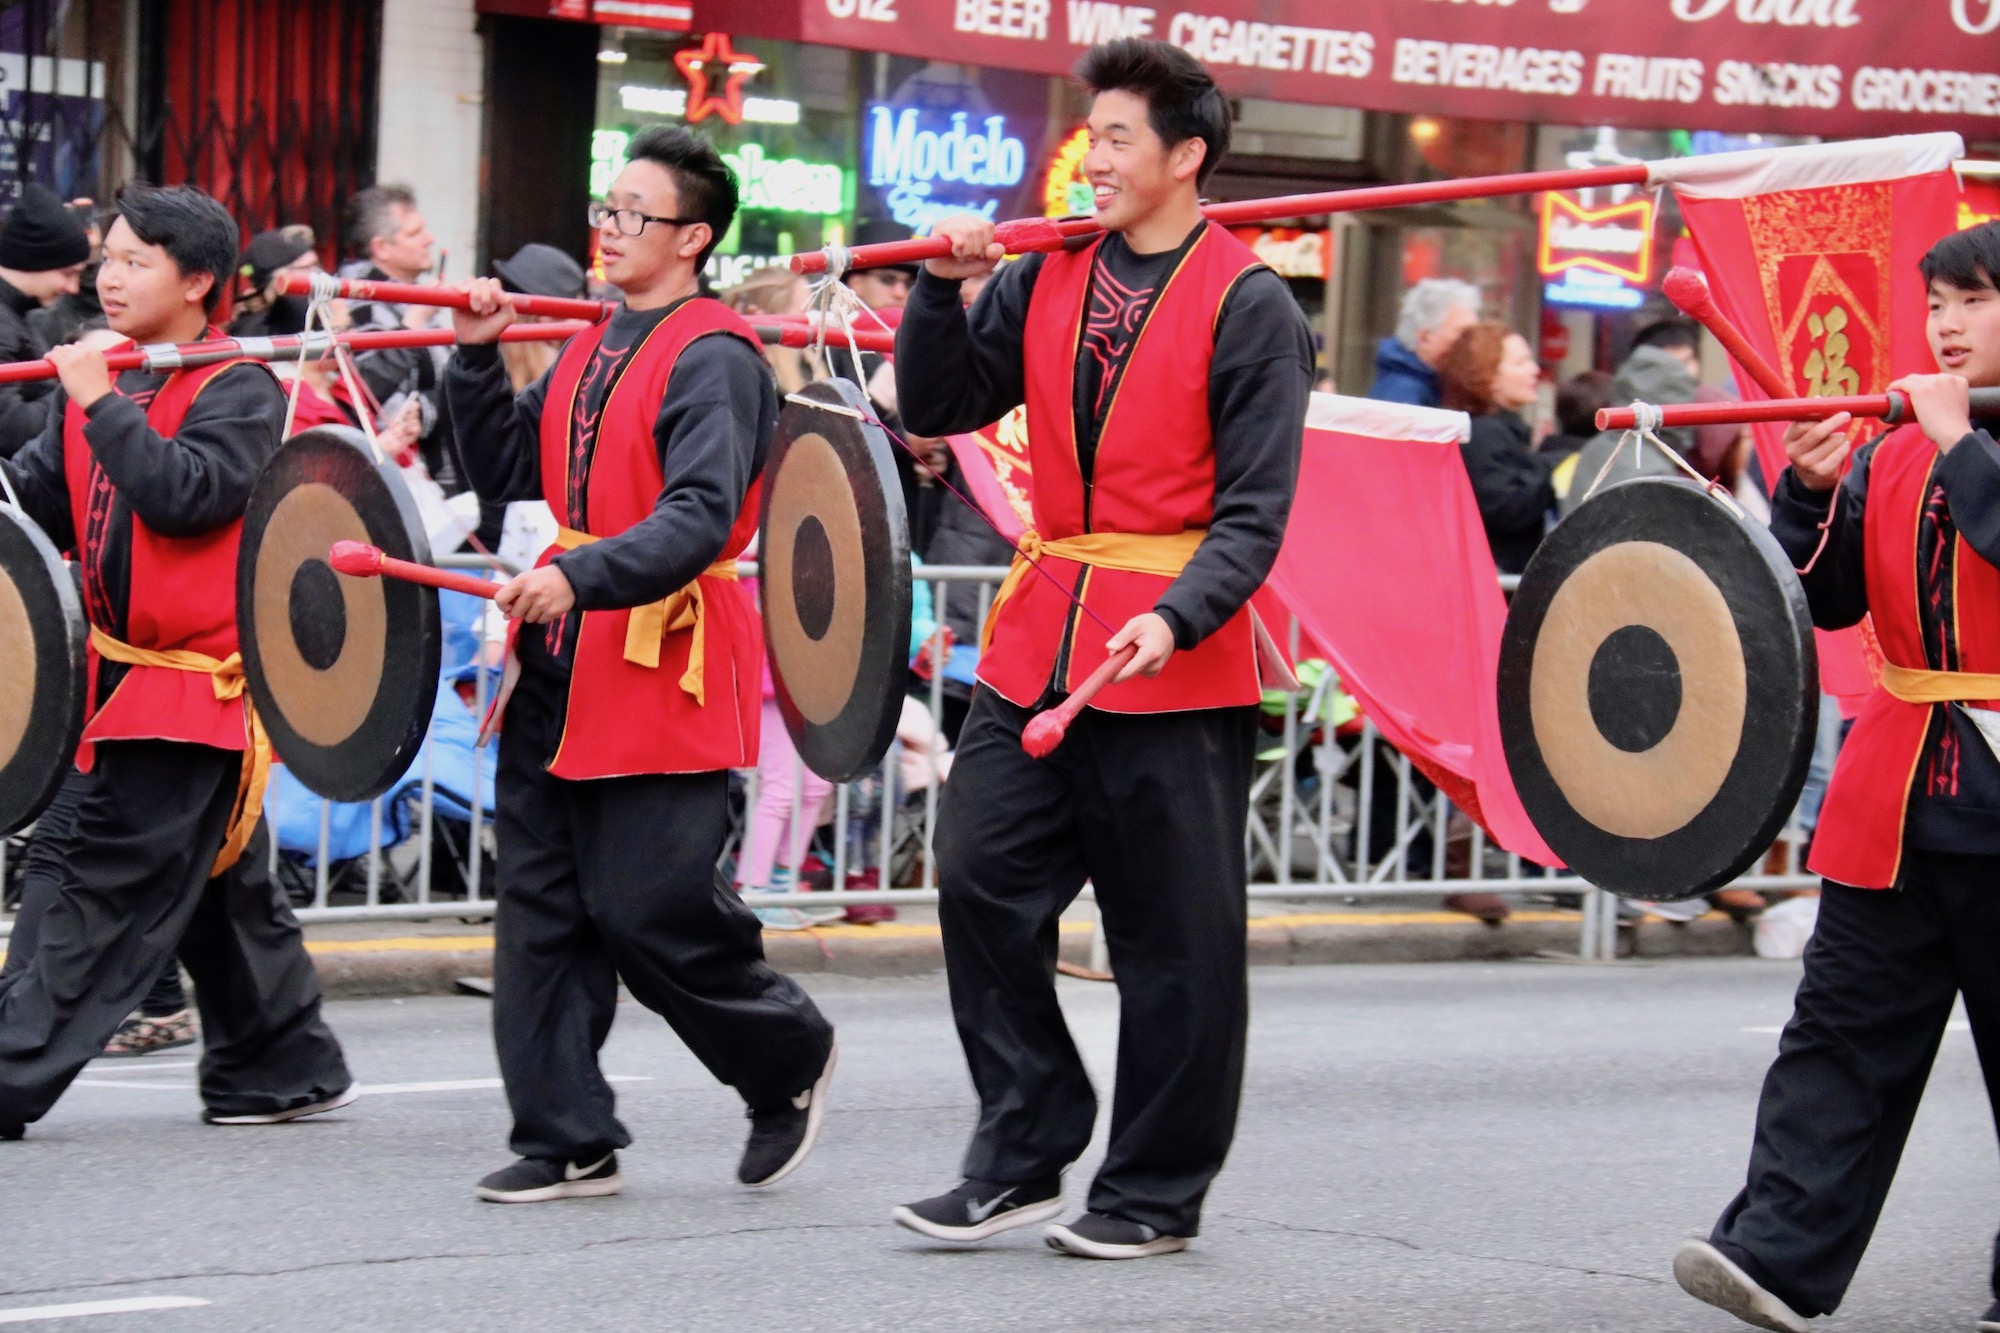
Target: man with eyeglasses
column 633, row 690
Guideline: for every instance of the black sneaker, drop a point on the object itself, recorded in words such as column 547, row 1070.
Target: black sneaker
column 10, row 1130
column 1102, row 1236
column 978, row 1209
column 537, row 1180
column 1707, row 1274
column 781, row 1136
column 1990, row 1321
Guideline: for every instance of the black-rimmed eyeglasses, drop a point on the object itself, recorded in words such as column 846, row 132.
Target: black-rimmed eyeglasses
column 630, row 221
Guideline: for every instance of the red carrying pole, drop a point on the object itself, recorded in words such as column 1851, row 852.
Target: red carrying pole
column 1026, row 235
column 783, row 330
column 430, row 294
column 281, row 347
column 1888, row 406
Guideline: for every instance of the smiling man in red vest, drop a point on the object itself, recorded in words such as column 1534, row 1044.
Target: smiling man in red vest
column 1166, row 374
column 1909, row 836
column 145, row 479
column 640, row 663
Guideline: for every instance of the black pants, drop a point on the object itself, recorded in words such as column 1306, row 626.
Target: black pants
column 611, row 878
column 1151, row 809
column 43, row 869
column 1881, row 973
column 135, row 887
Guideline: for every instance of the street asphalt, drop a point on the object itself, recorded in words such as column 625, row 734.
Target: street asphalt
column 1503, row 1146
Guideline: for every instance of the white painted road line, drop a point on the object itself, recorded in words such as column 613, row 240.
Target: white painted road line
column 29, row 1314
column 130, row 1066
column 466, row 1084
column 365, row 1089
column 1955, row 1026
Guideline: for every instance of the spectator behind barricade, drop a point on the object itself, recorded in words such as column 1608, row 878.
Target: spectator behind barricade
column 63, row 319
column 262, row 311
column 776, row 290
column 882, row 289
column 43, row 249
column 1660, row 369
column 1577, row 404
column 1433, row 314
column 536, row 270
column 1709, row 448
column 391, row 242
column 1491, row 374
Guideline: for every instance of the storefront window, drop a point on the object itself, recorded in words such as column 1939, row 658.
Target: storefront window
column 779, row 113
column 823, row 139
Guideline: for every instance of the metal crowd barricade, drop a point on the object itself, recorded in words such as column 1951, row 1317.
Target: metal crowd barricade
column 1310, row 836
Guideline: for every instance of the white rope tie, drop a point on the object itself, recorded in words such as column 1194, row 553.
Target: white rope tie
column 1647, row 418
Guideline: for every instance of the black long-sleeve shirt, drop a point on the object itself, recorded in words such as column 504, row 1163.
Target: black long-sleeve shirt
column 1512, row 484
column 958, row 370
column 1955, row 802
column 195, row 482
column 713, row 430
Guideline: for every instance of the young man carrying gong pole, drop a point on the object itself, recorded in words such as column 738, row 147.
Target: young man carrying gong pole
column 1166, row 374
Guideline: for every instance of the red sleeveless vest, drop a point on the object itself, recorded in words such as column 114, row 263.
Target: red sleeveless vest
column 183, row 595
column 1154, row 473
column 1860, row 836
column 625, row 718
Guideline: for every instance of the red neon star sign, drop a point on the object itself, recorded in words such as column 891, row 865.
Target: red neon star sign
column 716, row 62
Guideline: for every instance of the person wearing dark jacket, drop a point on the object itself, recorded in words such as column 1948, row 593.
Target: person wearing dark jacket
column 1165, row 374
column 1908, row 841
column 1491, row 374
column 43, row 249
column 168, row 847
column 637, row 691
column 1433, row 314
column 1577, row 404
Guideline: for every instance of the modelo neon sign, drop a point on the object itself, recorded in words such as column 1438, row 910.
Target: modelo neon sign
column 928, row 171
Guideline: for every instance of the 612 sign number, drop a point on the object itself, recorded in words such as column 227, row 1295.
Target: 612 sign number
column 876, row 11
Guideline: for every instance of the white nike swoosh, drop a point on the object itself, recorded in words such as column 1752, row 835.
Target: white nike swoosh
column 979, row 1212
column 570, row 1171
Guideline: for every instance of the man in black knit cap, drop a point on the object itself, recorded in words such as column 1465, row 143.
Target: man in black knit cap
column 43, row 248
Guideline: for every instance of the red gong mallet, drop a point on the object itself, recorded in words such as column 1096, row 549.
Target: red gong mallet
column 1688, row 290
column 1045, row 731
column 365, row 561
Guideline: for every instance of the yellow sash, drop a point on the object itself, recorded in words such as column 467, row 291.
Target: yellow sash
column 678, row 610
column 1914, row 686
column 1162, row 553
column 227, row 678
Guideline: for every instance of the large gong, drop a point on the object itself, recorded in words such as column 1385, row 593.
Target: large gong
column 43, row 670
column 1658, row 690
column 343, row 670
column 835, row 561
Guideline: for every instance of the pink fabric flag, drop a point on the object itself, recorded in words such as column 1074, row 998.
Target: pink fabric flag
column 1386, row 566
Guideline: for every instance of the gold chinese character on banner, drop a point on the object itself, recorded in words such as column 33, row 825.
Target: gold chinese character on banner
column 1826, row 370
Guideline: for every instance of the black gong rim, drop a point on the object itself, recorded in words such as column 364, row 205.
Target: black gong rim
column 1768, row 608
column 380, row 750
column 851, row 744
column 47, row 751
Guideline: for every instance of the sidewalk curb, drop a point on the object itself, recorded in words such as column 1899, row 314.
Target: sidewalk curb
column 355, row 969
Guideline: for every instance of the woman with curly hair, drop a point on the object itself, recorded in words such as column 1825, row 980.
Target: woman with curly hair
column 1491, row 373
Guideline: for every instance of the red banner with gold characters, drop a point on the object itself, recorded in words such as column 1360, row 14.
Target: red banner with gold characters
column 999, row 476
column 1819, row 271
